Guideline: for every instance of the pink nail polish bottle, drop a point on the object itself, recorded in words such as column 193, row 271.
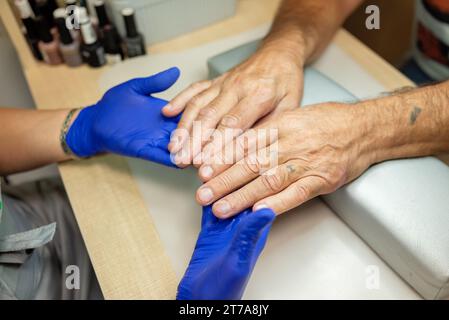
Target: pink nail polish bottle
column 48, row 45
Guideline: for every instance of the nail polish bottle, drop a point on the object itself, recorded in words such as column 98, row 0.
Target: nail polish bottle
column 70, row 49
column 92, row 15
column 134, row 41
column 108, row 34
column 45, row 8
column 102, row 16
column 91, row 50
column 48, row 45
column 63, row 13
column 68, row 3
column 114, row 51
column 30, row 32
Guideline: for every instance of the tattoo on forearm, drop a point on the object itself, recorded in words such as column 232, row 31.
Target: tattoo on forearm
column 397, row 91
column 414, row 114
column 291, row 168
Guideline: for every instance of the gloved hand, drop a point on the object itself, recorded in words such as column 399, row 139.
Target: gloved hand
column 127, row 121
column 225, row 255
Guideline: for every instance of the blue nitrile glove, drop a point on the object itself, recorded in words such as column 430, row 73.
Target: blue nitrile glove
column 225, row 254
column 127, row 121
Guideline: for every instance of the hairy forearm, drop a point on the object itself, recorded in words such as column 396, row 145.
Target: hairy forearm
column 303, row 28
column 29, row 139
column 413, row 123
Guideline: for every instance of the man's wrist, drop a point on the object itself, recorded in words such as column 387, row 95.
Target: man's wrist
column 291, row 45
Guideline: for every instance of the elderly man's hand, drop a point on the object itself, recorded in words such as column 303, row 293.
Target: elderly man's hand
column 268, row 83
column 316, row 150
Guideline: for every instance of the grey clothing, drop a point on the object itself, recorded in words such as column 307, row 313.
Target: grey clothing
column 35, row 266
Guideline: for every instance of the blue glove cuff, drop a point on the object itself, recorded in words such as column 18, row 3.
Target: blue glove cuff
column 80, row 137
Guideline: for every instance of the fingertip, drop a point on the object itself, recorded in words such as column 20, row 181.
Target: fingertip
column 205, row 173
column 218, row 214
column 263, row 210
column 170, row 110
column 173, row 72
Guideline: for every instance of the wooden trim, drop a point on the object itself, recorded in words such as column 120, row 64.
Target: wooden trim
column 102, row 192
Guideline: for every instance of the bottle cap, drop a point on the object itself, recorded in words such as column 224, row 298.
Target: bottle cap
column 130, row 22
column 102, row 15
column 64, row 34
column 59, row 13
column 83, row 15
column 44, row 8
column 24, row 8
column 70, row 3
column 44, row 30
column 111, row 45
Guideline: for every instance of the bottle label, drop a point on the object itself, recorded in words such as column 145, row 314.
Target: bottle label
column 101, row 56
column 135, row 50
column 113, row 58
column 88, row 32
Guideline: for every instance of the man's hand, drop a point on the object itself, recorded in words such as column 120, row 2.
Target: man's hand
column 268, row 83
column 316, row 150
column 127, row 121
column 225, row 255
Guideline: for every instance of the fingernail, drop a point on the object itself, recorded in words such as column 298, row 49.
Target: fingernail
column 180, row 159
column 176, row 140
column 206, row 172
column 260, row 207
column 205, row 195
column 223, row 207
column 168, row 107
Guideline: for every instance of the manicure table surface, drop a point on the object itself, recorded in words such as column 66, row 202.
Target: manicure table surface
column 139, row 220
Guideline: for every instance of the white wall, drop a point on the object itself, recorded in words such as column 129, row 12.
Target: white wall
column 14, row 91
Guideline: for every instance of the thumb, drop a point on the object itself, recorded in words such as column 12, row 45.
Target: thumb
column 252, row 235
column 156, row 83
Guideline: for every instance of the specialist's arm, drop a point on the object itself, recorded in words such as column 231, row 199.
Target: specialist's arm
column 30, row 139
column 126, row 121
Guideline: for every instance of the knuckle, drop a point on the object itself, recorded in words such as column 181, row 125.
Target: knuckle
column 242, row 146
column 182, row 125
column 225, row 182
column 231, row 121
column 335, row 178
column 301, row 192
column 252, row 165
column 239, row 199
column 208, row 112
column 264, row 90
column 198, row 85
column 274, row 182
column 194, row 102
column 219, row 159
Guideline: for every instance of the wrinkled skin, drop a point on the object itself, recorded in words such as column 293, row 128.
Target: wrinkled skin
column 265, row 85
column 320, row 149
